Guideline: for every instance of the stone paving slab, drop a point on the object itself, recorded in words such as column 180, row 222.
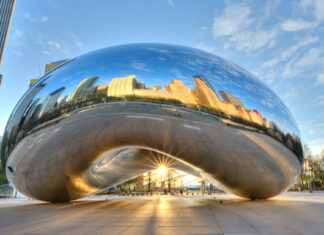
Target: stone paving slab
column 289, row 213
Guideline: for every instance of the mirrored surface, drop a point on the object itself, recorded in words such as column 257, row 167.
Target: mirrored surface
column 204, row 112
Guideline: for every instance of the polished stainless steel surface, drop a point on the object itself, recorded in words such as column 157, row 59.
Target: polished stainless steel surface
column 113, row 114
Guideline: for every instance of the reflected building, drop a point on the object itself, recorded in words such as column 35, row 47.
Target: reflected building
column 102, row 90
column 50, row 101
column 204, row 95
column 180, row 92
column 62, row 100
column 21, row 109
column 120, row 87
column 200, row 96
column 85, row 88
column 231, row 99
column 31, row 111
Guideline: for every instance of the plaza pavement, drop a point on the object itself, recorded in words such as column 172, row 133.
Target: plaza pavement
column 289, row 213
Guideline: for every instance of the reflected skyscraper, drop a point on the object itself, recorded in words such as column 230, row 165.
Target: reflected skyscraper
column 19, row 112
column 180, row 92
column 231, row 99
column 122, row 86
column 50, row 101
column 204, row 94
column 85, row 88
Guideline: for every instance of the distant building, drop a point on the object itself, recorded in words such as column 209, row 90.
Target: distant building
column 32, row 81
column 53, row 65
column 231, row 99
column 6, row 12
column 7, row 8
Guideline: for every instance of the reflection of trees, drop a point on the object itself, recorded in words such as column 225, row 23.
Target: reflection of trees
column 312, row 173
column 290, row 140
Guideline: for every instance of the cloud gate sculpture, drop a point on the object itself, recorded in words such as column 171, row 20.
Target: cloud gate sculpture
column 107, row 116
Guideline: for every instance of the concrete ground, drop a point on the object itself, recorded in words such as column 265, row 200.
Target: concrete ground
column 289, row 213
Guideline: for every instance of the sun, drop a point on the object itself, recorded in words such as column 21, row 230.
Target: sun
column 162, row 169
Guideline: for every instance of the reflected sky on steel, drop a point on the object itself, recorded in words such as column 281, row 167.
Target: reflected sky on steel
column 157, row 64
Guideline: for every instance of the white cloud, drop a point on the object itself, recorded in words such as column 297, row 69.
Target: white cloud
column 296, row 25
column 171, row 3
column 236, row 24
column 253, row 39
column 29, row 17
column 233, row 20
column 320, row 79
column 75, row 38
column 17, row 39
column 316, row 145
column 315, row 7
column 139, row 66
column 18, row 33
column 311, row 57
column 44, row 18
column 45, row 52
column 53, row 43
column 290, row 51
column 18, row 53
column 319, row 100
column 204, row 47
column 311, row 131
column 79, row 44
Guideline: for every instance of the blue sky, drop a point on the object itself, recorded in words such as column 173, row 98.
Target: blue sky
column 281, row 42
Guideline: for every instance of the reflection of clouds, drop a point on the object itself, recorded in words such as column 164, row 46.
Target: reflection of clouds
column 139, row 66
column 266, row 102
column 156, row 49
column 178, row 73
column 157, row 64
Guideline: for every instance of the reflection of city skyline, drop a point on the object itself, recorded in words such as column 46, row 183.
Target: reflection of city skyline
column 202, row 96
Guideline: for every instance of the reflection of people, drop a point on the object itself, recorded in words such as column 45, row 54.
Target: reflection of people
column 177, row 113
